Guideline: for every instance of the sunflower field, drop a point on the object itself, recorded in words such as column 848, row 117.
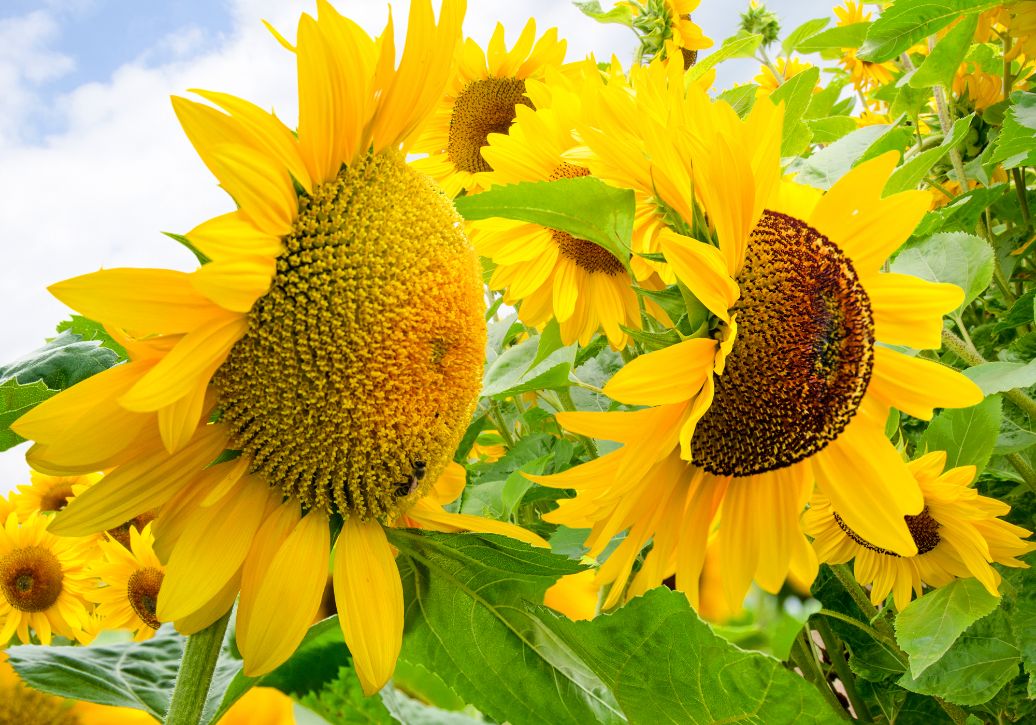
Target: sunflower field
column 517, row 387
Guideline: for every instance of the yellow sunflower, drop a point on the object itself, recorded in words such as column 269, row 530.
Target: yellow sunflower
column 49, row 494
column 789, row 387
column 551, row 273
column 133, row 576
column 43, row 581
column 787, row 67
column 975, row 88
column 865, row 75
column 323, row 365
column 958, row 535
column 481, row 98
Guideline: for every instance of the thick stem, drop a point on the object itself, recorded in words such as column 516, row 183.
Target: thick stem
column 860, row 598
column 192, row 684
column 1023, row 199
column 834, row 651
column 956, row 713
column 971, row 356
column 944, row 122
column 803, row 656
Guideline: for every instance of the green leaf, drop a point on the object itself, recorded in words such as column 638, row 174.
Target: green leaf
column 665, row 665
column 15, row 401
column 467, row 620
column 829, row 164
column 830, row 128
column 1022, row 312
column 910, row 174
column 88, row 329
column 1023, row 619
column 514, row 372
column 342, row 701
column 584, row 207
column 975, row 668
column 845, row 36
column 807, row 30
column 929, row 626
column 955, row 257
column 999, row 377
column 968, row 435
column 942, row 62
column 622, row 13
column 906, row 22
column 1016, row 144
column 549, row 341
column 742, row 46
column 61, row 363
column 795, row 93
column 740, row 98
column 407, row 710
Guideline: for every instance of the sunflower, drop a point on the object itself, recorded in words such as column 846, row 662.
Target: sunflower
column 481, row 98
column 319, row 370
column 49, row 494
column 789, row 387
column 865, row 75
column 553, row 274
column 43, row 581
column 133, row 576
column 787, row 67
column 975, row 88
column 958, row 534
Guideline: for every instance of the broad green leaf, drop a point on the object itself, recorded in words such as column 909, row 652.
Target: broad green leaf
column 622, row 13
column 955, row 257
column 822, row 104
column 513, row 372
column 795, row 94
column 831, row 128
column 15, row 401
column 666, row 665
column 743, row 46
column 975, row 668
column 829, row 164
column 929, row 626
column 584, row 207
column 1023, row 618
column 61, row 363
column 467, row 620
column 341, row 700
column 1022, row 312
column 910, row 174
column 88, row 329
column 807, row 30
column 740, row 98
column 961, row 213
column 410, row 711
column 906, row 22
column 999, row 377
column 942, row 62
column 1016, row 144
column 968, row 435
column 549, row 341
column 910, row 101
column 897, row 138
column 845, row 36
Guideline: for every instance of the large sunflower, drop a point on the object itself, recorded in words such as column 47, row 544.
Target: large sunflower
column 554, row 275
column 958, row 535
column 320, row 369
column 43, row 581
column 133, row 575
column 481, row 98
column 789, row 386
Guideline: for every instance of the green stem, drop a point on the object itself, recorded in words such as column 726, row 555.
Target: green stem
column 956, row 713
column 1026, row 471
column 192, row 683
column 860, row 598
column 834, row 651
column 803, row 656
column 1023, row 199
column 863, row 627
column 971, row 356
column 944, row 122
column 501, row 425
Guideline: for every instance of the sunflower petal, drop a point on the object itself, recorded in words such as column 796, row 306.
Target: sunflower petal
column 918, row 386
column 671, row 375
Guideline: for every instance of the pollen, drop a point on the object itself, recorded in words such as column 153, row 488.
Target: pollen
column 802, row 358
column 587, row 255
column 142, row 593
column 363, row 362
column 924, row 530
column 483, row 107
column 30, row 578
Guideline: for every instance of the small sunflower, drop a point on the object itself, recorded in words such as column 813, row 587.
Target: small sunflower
column 787, row 68
column 865, row 75
column 43, row 581
column 958, row 534
column 481, row 98
column 50, row 494
column 789, row 389
column 320, row 369
column 551, row 273
column 975, row 88
column 133, row 576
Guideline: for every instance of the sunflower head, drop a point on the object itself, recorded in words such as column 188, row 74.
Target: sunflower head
column 50, row 494
column 133, row 576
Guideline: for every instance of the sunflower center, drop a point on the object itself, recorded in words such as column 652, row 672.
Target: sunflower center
column 142, row 592
column 30, row 578
column 362, row 364
column 483, row 107
column 802, row 357
column 121, row 533
column 591, row 257
column 924, row 530
column 56, row 497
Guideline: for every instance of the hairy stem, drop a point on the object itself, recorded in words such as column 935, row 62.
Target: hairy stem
column 192, row 683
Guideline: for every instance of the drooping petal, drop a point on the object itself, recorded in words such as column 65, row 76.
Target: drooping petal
column 916, row 386
column 909, row 311
column 703, row 269
column 671, row 375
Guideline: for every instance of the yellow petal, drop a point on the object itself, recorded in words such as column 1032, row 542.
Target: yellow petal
column 450, row 483
column 260, row 186
column 671, row 375
column 369, row 594
column 178, row 422
column 703, row 269
column 433, row 517
column 235, row 285
column 227, row 237
column 917, row 386
column 908, row 310
column 265, row 545
column 212, row 609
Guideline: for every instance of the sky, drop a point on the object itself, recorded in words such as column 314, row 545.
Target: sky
column 93, row 165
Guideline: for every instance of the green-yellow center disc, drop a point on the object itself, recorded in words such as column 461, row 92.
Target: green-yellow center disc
column 362, row 364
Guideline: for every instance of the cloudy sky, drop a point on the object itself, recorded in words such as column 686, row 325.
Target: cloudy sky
column 93, row 165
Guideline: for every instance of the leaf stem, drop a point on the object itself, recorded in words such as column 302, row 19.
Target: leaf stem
column 501, row 425
column 192, row 683
column 802, row 655
column 1023, row 200
column 834, row 650
column 971, row 356
column 862, row 626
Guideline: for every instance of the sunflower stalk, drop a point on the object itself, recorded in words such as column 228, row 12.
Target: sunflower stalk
column 971, row 356
column 805, row 659
column 833, row 644
column 195, row 677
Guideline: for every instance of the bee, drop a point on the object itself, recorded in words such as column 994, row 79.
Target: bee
column 408, row 486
